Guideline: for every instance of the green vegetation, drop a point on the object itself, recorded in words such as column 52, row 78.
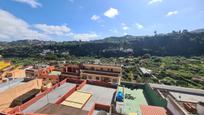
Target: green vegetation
column 181, row 43
column 175, row 58
column 174, row 70
column 179, row 71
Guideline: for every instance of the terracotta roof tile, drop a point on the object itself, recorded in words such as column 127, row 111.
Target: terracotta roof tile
column 152, row 110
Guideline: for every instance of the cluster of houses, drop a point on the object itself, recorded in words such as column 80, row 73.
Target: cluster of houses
column 81, row 89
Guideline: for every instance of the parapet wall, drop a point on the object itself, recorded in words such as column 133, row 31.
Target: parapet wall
column 6, row 97
column 153, row 98
column 103, row 84
column 98, row 106
column 19, row 109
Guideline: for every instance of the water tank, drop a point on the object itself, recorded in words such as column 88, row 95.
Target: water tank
column 119, row 96
column 200, row 108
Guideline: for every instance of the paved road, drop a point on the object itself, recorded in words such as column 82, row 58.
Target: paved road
column 179, row 89
column 12, row 83
column 52, row 97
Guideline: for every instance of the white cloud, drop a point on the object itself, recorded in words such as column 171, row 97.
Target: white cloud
column 123, row 24
column 32, row 3
column 83, row 36
column 139, row 26
column 125, row 33
column 95, row 17
column 171, row 13
column 113, row 30
column 13, row 28
column 125, row 28
column 154, row 1
column 52, row 29
column 111, row 13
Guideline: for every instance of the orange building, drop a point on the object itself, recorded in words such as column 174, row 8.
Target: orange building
column 105, row 73
column 39, row 71
column 49, row 81
column 71, row 71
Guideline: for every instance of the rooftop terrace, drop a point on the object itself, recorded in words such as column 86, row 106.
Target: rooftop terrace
column 55, row 73
column 133, row 98
column 186, row 97
column 56, row 109
column 51, row 97
column 102, row 95
column 9, row 84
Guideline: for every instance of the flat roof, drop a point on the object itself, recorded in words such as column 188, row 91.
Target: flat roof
column 145, row 71
column 55, row 73
column 77, row 99
column 4, row 64
column 55, row 109
column 9, row 84
column 51, row 97
column 152, row 110
column 101, row 95
column 100, row 65
column 178, row 89
column 186, row 97
column 98, row 74
column 133, row 98
column 104, row 73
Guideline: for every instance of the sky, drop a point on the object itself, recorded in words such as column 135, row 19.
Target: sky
column 68, row 20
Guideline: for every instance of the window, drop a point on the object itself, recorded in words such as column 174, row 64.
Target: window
column 114, row 80
column 97, row 78
column 90, row 77
column 84, row 77
column 104, row 79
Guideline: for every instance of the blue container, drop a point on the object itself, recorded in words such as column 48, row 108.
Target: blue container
column 119, row 96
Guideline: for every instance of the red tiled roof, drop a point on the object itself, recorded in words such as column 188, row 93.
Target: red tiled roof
column 152, row 110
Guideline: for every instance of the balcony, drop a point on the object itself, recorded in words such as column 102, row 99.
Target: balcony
column 108, row 73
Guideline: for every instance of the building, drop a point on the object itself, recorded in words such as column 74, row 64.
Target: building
column 5, row 66
column 181, row 101
column 101, row 73
column 38, row 71
column 49, row 81
column 152, row 110
column 145, row 72
column 104, row 73
column 70, row 71
column 135, row 99
column 87, row 97
column 70, row 97
column 8, row 95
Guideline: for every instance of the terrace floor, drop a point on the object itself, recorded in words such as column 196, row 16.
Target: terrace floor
column 133, row 98
column 100, row 95
column 179, row 96
column 58, row 109
column 9, row 84
column 51, row 97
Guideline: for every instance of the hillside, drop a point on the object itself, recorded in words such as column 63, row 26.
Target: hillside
column 181, row 43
